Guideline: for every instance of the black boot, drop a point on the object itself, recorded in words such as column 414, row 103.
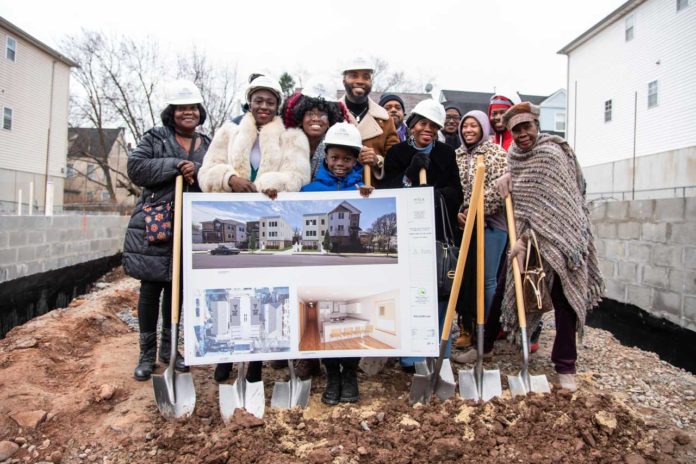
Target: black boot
column 254, row 371
column 222, row 372
column 165, row 351
column 148, row 353
column 349, row 382
column 332, row 393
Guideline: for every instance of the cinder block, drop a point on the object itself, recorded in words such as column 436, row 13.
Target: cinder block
column 656, row 276
column 690, row 258
column 640, row 296
column 57, row 249
column 629, row 230
column 666, row 255
column 615, row 290
column 606, row 230
column 598, row 211
column 51, row 264
column 617, row 210
column 628, row 272
column 607, row 267
column 654, row 232
column 669, row 209
column 4, row 239
column 36, row 237
column 602, row 249
column 682, row 281
column 8, row 256
column 690, row 209
column 8, row 273
column 681, row 233
column 638, row 252
column 615, row 248
column 18, row 238
column 55, row 236
column 641, row 210
column 43, row 251
column 690, row 309
column 26, row 254
column 668, row 304
column 10, row 223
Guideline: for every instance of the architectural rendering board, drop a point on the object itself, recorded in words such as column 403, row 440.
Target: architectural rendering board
column 316, row 274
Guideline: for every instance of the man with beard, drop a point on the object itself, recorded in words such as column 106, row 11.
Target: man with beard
column 498, row 106
column 452, row 118
column 373, row 122
column 394, row 105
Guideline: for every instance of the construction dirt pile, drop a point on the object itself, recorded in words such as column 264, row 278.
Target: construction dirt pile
column 67, row 395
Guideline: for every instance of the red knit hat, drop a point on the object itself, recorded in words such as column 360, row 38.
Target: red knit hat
column 499, row 102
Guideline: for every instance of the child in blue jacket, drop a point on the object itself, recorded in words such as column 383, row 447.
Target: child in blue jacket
column 340, row 170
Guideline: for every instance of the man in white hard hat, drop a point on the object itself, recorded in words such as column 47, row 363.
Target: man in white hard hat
column 376, row 127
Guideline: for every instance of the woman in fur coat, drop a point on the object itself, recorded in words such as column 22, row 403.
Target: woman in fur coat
column 258, row 155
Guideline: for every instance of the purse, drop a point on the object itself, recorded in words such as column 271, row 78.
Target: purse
column 158, row 221
column 446, row 254
column 534, row 290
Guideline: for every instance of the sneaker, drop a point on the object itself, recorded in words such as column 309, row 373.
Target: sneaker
column 469, row 356
column 534, row 347
column 567, row 382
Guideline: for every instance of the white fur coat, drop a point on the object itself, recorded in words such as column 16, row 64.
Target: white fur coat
column 284, row 157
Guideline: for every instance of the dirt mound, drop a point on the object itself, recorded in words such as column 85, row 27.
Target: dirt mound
column 67, row 395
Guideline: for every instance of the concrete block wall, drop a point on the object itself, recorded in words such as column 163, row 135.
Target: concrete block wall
column 647, row 251
column 33, row 244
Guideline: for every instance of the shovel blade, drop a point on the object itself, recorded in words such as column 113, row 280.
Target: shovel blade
column 533, row 383
column 255, row 400
column 281, row 398
column 421, row 388
column 517, row 385
column 492, row 386
column 230, row 400
column 300, row 392
column 175, row 394
column 539, row 384
column 446, row 386
column 467, row 385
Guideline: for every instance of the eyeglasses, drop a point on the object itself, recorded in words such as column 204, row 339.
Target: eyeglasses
column 452, row 118
column 315, row 114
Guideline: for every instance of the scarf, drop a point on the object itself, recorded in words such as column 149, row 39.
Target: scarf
column 503, row 139
column 548, row 193
column 426, row 149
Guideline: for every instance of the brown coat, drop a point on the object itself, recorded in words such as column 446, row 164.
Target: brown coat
column 377, row 131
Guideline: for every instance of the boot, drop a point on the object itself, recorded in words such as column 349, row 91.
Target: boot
column 349, row 384
column 307, row 368
column 254, row 371
column 567, row 381
column 148, row 353
column 464, row 339
column 332, row 393
column 222, row 372
column 165, row 349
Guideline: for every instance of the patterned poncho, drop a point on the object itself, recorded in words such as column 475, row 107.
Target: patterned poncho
column 549, row 198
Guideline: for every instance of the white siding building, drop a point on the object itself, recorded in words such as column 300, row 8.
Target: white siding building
column 552, row 117
column 631, row 89
column 274, row 232
column 34, row 95
column 314, row 228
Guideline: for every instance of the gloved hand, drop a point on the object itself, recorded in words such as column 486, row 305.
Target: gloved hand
column 419, row 160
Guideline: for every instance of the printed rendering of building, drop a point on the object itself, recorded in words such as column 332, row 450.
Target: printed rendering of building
column 314, row 228
column 275, row 232
column 341, row 223
column 223, row 231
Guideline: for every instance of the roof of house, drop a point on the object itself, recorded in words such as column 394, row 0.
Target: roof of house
column 468, row 101
column 230, row 221
column 14, row 30
column 87, row 140
column 347, row 206
column 314, row 214
column 410, row 99
column 607, row 21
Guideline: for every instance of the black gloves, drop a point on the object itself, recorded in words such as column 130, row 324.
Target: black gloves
column 419, row 160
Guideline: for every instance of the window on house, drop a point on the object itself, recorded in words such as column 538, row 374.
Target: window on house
column 652, row 94
column 607, row 110
column 560, row 122
column 70, row 171
column 340, row 215
column 322, row 222
column 91, row 172
column 105, row 195
column 681, row 4
column 7, row 118
column 630, row 27
column 11, row 48
column 90, row 196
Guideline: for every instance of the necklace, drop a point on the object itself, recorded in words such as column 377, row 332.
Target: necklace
column 358, row 117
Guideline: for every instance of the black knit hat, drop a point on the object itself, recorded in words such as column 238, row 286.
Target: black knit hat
column 389, row 97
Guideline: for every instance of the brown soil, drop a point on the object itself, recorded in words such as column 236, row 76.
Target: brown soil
column 76, row 364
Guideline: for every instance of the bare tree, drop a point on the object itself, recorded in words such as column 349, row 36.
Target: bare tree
column 218, row 85
column 386, row 79
column 383, row 229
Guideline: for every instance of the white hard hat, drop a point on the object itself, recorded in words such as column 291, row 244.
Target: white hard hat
column 321, row 88
column 182, row 92
column 357, row 63
column 264, row 82
column 429, row 109
column 344, row 134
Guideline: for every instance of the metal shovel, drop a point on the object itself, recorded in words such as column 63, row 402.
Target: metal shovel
column 478, row 383
column 293, row 393
column 242, row 394
column 522, row 383
column 175, row 394
column 427, row 381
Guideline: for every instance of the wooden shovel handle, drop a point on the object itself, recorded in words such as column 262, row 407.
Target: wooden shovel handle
column 422, row 177
column 480, row 297
column 512, row 233
column 176, row 249
column 476, row 193
column 367, row 172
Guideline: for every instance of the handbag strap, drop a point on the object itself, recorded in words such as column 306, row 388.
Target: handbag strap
column 446, row 225
column 533, row 243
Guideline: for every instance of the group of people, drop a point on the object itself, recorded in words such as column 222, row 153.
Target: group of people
column 313, row 141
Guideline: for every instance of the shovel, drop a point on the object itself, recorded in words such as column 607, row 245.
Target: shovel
column 174, row 392
column 242, row 394
column 428, row 381
column 287, row 395
column 522, row 383
column 478, row 383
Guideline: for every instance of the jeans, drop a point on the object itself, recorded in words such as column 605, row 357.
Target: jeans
column 494, row 245
column 441, row 311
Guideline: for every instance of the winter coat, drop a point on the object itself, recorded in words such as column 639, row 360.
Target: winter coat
column 377, row 131
column 152, row 165
column 325, row 181
column 442, row 175
column 284, row 162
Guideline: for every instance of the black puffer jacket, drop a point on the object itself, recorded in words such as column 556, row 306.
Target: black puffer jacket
column 152, row 165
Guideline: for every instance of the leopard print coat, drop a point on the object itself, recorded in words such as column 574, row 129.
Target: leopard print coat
column 495, row 159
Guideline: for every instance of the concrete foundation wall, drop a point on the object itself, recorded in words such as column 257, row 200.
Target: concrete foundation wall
column 33, row 244
column 647, row 251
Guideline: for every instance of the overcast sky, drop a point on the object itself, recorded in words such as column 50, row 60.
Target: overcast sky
column 463, row 45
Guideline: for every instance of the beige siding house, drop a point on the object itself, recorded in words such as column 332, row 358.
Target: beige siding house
column 34, row 95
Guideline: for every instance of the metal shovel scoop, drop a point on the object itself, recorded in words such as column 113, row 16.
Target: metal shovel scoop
column 293, row 393
column 522, row 383
column 175, row 394
column 478, row 383
column 428, row 379
column 241, row 394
